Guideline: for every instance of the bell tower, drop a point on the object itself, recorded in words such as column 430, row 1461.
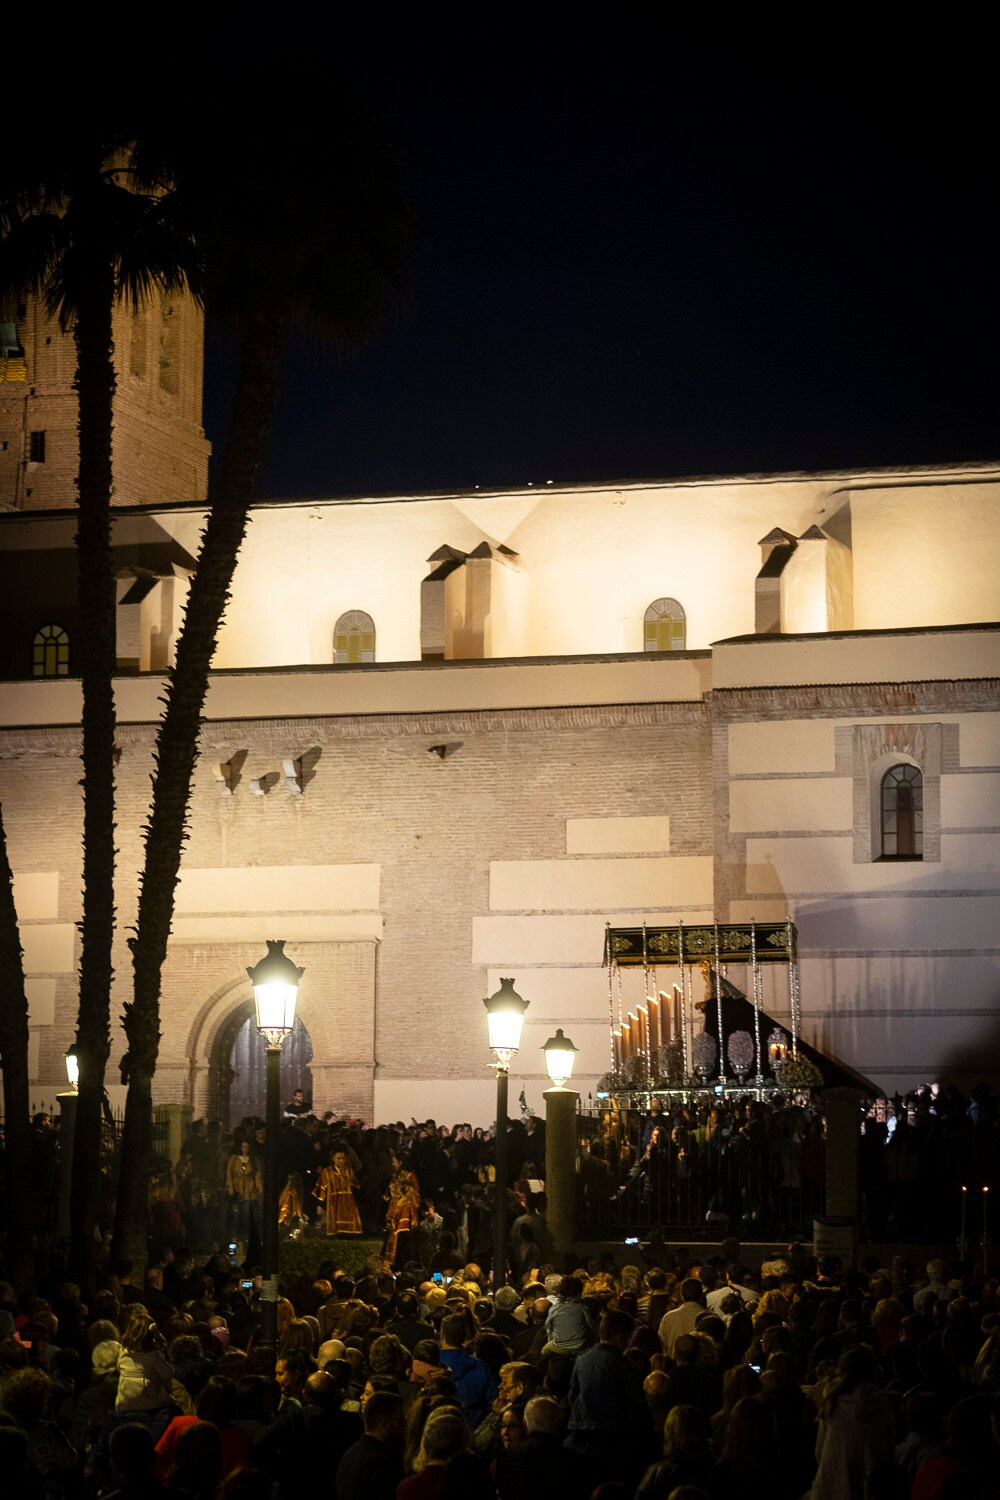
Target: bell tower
column 160, row 452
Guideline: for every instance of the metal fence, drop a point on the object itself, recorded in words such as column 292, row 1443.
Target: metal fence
column 743, row 1165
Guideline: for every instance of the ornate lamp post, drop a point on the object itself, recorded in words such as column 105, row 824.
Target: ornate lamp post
column 560, row 1055
column 275, row 981
column 560, row 1142
column 505, row 1017
column 67, row 1133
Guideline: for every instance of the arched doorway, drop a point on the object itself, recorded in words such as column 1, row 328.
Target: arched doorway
column 239, row 1067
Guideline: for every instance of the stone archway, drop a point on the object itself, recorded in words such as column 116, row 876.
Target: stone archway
column 237, row 1081
column 337, row 1009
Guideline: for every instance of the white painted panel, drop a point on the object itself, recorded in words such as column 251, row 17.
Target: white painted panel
column 890, row 924
column 598, row 884
column 559, row 993
column 791, row 806
column 34, row 1056
column 48, row 949
column 971, row 802
column 453, row 1101
column 786, row 661
column 558, row 940
column 41, row 996
column 761, row 910
column 293, row 928
column 899, row 982
column 791, row 745
column 617, row 835
column 36, row 896
column 280, row 888
column 979, row 739
column 448, row 1101
column 974, row 856
column 800, row 867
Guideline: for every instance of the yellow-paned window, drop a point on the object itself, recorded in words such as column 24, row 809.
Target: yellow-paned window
column 354, row 639
column 50, row 652
column 664, row 626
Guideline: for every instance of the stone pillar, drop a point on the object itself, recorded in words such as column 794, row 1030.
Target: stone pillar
column 178, row 1118
column 842, row 1108
column 560, row 1166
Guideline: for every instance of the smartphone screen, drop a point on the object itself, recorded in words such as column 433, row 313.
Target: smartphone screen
column 438, row 1278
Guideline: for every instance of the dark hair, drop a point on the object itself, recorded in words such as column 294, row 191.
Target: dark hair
column 198, row 1455
column 217, row 1402
column 616, row 1325
column 570, row 1287
column 131, row 1450
column 381, row 1408
column 454, row 1330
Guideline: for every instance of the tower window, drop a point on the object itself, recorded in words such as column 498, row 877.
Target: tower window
column 50, row 652
column 36, row 447
column 902, row 809
column 354, row 638
column 664, row 626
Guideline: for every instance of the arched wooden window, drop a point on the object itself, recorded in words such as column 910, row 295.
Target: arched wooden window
column 354, row 638
column 902, row 807
column 664, row 626
column 50, row 652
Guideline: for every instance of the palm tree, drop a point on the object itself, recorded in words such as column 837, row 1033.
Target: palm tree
column 14, row 1058
column 294, row 200
column 75, row 230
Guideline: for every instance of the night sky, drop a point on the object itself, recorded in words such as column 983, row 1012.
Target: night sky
column 636, row 263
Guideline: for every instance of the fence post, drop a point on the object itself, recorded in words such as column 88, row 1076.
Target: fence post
column 560, row 1166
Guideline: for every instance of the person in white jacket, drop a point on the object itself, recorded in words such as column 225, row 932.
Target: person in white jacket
column 144, row 1372
column 855, row 1429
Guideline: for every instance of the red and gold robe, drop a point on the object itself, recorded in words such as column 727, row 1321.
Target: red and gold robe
column 335, row 1188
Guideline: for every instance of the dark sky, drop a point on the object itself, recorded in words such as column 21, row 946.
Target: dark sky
column 637, row 263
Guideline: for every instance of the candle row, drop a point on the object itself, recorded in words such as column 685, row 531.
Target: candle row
column 647, row 1028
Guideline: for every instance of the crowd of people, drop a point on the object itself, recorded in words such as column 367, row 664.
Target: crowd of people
column 683, row 1376
column 342, row 1178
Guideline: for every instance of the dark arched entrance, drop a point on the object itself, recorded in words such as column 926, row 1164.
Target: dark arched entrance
column 239, row 1067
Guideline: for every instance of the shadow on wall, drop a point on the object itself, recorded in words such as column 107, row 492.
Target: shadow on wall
column 915, row 960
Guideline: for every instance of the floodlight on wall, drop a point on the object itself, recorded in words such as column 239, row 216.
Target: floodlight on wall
column 275, row 981
column 73, row 1068
column 559, row 1057
column 505, row 1017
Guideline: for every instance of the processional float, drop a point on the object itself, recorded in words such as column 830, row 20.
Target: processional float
column 671, row 1042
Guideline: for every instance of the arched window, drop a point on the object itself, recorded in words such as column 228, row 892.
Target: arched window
column 664, row 627
column 50, row 652
column 354, row 638
column 902, row 808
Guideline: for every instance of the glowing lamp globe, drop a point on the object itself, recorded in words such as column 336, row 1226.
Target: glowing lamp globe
column 275, row 981
column 505, row 1017
column 73, row 1068
column 559, row 1056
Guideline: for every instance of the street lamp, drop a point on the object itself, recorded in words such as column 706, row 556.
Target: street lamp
column 505, row 1017
column 67, row 1101
column 560, row 1142
column 559, row 1055
column 275, row 981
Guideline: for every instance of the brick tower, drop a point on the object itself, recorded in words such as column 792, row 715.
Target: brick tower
column 160, row 449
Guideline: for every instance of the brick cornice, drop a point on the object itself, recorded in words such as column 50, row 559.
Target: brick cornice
column 837, row 700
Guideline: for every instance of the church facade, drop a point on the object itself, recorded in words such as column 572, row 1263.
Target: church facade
column 450, row 738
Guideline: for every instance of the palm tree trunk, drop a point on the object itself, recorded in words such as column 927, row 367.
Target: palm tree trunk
column 95, row 385
column 14, row 1057
column 177, row 752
